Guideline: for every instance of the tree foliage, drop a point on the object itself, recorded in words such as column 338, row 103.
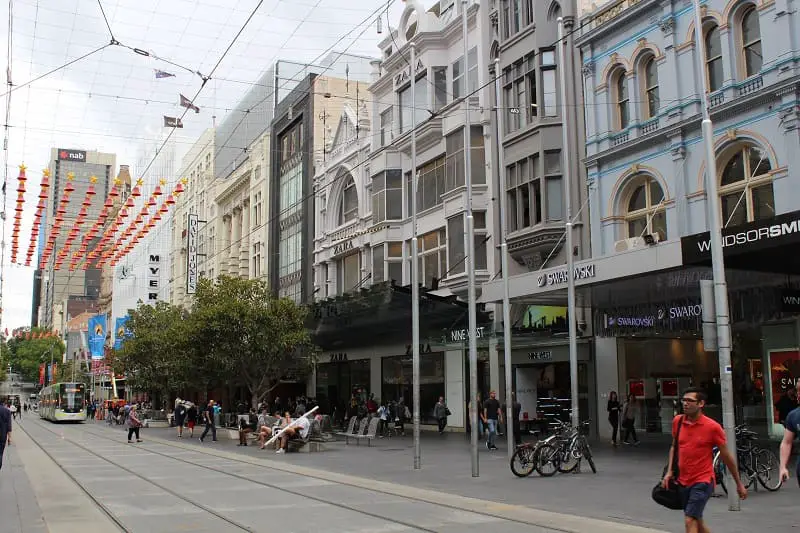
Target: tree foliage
column 157, row 356
column 250, row 336
column 26, row 354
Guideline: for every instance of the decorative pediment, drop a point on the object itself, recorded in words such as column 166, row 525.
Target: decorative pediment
column 348, row 130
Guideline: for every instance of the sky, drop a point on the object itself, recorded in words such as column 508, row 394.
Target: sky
column 111, row 101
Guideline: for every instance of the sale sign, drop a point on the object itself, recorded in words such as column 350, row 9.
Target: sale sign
column 784, row 368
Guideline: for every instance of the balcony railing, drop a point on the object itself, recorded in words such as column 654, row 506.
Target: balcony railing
column 750, row 85
column 717, row 98
column 650, row 126
column 618, row 139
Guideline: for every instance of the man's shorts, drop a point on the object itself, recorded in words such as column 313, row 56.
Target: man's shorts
column 695, row 499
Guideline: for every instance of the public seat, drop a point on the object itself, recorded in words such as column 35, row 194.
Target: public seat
column 361, row 430
column 370, row 433
column 351, row 428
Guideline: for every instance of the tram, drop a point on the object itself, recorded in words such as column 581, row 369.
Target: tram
column 63, row 402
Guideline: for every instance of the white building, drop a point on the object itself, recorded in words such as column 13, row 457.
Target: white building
column 364, row 230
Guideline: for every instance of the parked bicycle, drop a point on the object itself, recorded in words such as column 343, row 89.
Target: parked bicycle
column 755, row 463
column 523, row 461
column 565, row 451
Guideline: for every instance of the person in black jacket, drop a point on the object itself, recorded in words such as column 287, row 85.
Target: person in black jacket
column 613, row 415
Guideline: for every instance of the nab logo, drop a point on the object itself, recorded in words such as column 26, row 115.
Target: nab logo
column 72, row 155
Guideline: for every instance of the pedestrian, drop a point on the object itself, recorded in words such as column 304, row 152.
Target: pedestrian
column 790, row 432
column 191, row 419
column 697, row 435
column 208, row 416
column 13, row 411
column 613, row 409
column 180, row 417
column 246, row 426
column 440, row 413
column 133, row 423
column 629, row 420
column 383, row 415
column 492, row 415
column 5, row 430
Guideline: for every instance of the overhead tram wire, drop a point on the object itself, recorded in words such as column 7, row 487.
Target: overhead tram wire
column 365, row 22
column 108, row 24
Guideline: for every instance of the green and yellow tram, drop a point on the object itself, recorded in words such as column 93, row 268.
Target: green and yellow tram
column 63, row 402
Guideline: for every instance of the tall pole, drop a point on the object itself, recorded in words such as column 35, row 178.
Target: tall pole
column 504, row 262
column 717, row 259
column 571, row 311
column 470, row 263
column 414, row 262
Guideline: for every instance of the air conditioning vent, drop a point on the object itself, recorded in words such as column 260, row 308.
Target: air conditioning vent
column 629, row 244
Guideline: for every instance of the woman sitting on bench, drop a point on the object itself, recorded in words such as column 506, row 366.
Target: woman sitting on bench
column 297, row 432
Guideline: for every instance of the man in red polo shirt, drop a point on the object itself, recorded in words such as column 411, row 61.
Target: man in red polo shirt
column 699, row 434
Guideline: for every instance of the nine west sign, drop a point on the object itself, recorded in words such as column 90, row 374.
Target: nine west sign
column 746, row 238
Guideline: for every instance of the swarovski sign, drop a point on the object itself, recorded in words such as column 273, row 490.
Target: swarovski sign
column 559, row 277
column 191, row 254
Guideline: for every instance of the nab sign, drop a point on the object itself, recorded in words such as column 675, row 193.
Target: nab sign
column 78, row 156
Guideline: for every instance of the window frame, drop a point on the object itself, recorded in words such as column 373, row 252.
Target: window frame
column 647, row 89
column 548, row 70
column 748, row 184
column 708, row 61
column 649, row 211
column 746, row 46
column 619, row 80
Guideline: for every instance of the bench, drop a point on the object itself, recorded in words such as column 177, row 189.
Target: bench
column 362, row 429
column 370, row 433
column 351, row 428
column 312, row 442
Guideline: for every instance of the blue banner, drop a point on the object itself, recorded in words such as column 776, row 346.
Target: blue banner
column 120, row 331
column 97, row 336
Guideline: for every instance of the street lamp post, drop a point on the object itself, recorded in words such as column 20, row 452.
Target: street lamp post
column 717, row 258
column 414, row 265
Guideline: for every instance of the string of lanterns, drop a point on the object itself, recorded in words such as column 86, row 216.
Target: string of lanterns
column 113, row 244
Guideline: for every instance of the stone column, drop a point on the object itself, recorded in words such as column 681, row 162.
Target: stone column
column 225, row 241
column 244, row 248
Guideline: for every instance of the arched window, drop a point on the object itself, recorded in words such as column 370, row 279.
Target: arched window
column 746, row 187
column 646, row 212
column 650, row 87
column 348, row 207
column 621, row 99
column 751, row 42
column 713, row 58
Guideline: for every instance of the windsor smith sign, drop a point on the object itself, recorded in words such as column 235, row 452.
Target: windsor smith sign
column 755, row 236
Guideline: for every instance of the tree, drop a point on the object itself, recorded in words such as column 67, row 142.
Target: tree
column 26, row 354
column 156, row 357
column 249, row 335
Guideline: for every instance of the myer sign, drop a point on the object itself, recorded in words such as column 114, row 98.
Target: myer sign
column 751, row 237
column 560, row 277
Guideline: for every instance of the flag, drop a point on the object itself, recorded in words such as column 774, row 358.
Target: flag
column 185, row 102
column 97, row 336
column 172, row 122
column 41, row 374
column 161, row 74
column 120, row 331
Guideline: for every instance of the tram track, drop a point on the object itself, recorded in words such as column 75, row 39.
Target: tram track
column 130, row 471
column 339, row 505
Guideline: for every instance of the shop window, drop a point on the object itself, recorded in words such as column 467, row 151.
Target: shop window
column 646, row 213
column 714, row 71
column 746, row 192
column 649, row 82
column 751, row 42
column 397, row 381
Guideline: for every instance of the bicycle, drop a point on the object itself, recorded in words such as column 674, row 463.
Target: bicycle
column 755, row 463
column 565, row 451
column 527, row 454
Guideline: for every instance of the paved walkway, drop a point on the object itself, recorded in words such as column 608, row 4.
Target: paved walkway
column 620, row 491
column 165, row 485
column 19, row 508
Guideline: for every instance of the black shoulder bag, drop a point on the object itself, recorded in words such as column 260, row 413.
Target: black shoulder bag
column 670, row 497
